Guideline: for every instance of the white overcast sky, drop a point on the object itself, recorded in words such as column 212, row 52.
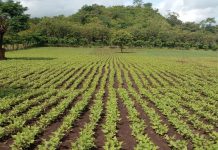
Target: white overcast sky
column 189, row 10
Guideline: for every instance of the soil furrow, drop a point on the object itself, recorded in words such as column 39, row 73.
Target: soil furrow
column 81, row 121
column 124, row 131
column 99, row 135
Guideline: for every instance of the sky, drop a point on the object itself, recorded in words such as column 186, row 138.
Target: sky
column 188, row 10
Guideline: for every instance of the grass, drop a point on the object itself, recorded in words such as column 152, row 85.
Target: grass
column 60, row 52
column 53, row 53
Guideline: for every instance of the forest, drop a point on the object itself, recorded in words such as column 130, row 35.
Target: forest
column 138, row 25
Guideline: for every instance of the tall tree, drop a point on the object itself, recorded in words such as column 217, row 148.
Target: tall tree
column 12, row 20
column 173, row 19
column 138, row 3
column 149, row 5
column 122, row 38
column 209, row 24
column 3, row 29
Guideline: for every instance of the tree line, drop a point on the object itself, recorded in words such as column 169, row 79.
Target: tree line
column 139, row 25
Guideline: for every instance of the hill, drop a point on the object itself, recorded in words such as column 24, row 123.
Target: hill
column 97, row 25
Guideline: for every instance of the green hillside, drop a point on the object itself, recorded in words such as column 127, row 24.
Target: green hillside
column 132, row 26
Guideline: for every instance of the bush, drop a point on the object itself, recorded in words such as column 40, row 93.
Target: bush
column 138, row 43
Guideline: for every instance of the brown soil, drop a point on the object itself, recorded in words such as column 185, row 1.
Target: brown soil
column 12, row 80
column 5, row 144
column 47, row 109
column 144, row 75
column 131, row 78
column 133, row 83
column 80, row 85
column 165, row 79
column 81, row 121
column 48, row 79
column 17, row 103
column 54, row 126
column 57, row 123
column 34, row 78
column 172, row 130
column 99, row 135
column 190, row 124
column 158, row 82
column 124, row 130
column 124, row 84
column 163, row 118
column 191, row 112
column 36, row 104
column 39, row 72
column 8, row 140
column 74, row 133
column 68, row 87
column 155, row 138
column 74, row 72
column 69, row 71
column 139, row 77
column 116, row 82
column 28, row 75
column 172, row 76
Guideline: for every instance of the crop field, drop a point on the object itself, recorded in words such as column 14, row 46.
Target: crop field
column 68, row 98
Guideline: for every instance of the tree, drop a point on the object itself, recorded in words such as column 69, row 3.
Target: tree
column 12, row 20
column 94, row 26
column 208, row 24
column 3, row 29
column 172, row 18
column 138, row 3
column 121, row 38
column 191, row 26
column 149, row 5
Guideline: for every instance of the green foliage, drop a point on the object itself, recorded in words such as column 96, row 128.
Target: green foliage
column 94, row 25
column 138, row 2
column 172, row 18
column 12, row 20
column 121, row 38
column 16, row 17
